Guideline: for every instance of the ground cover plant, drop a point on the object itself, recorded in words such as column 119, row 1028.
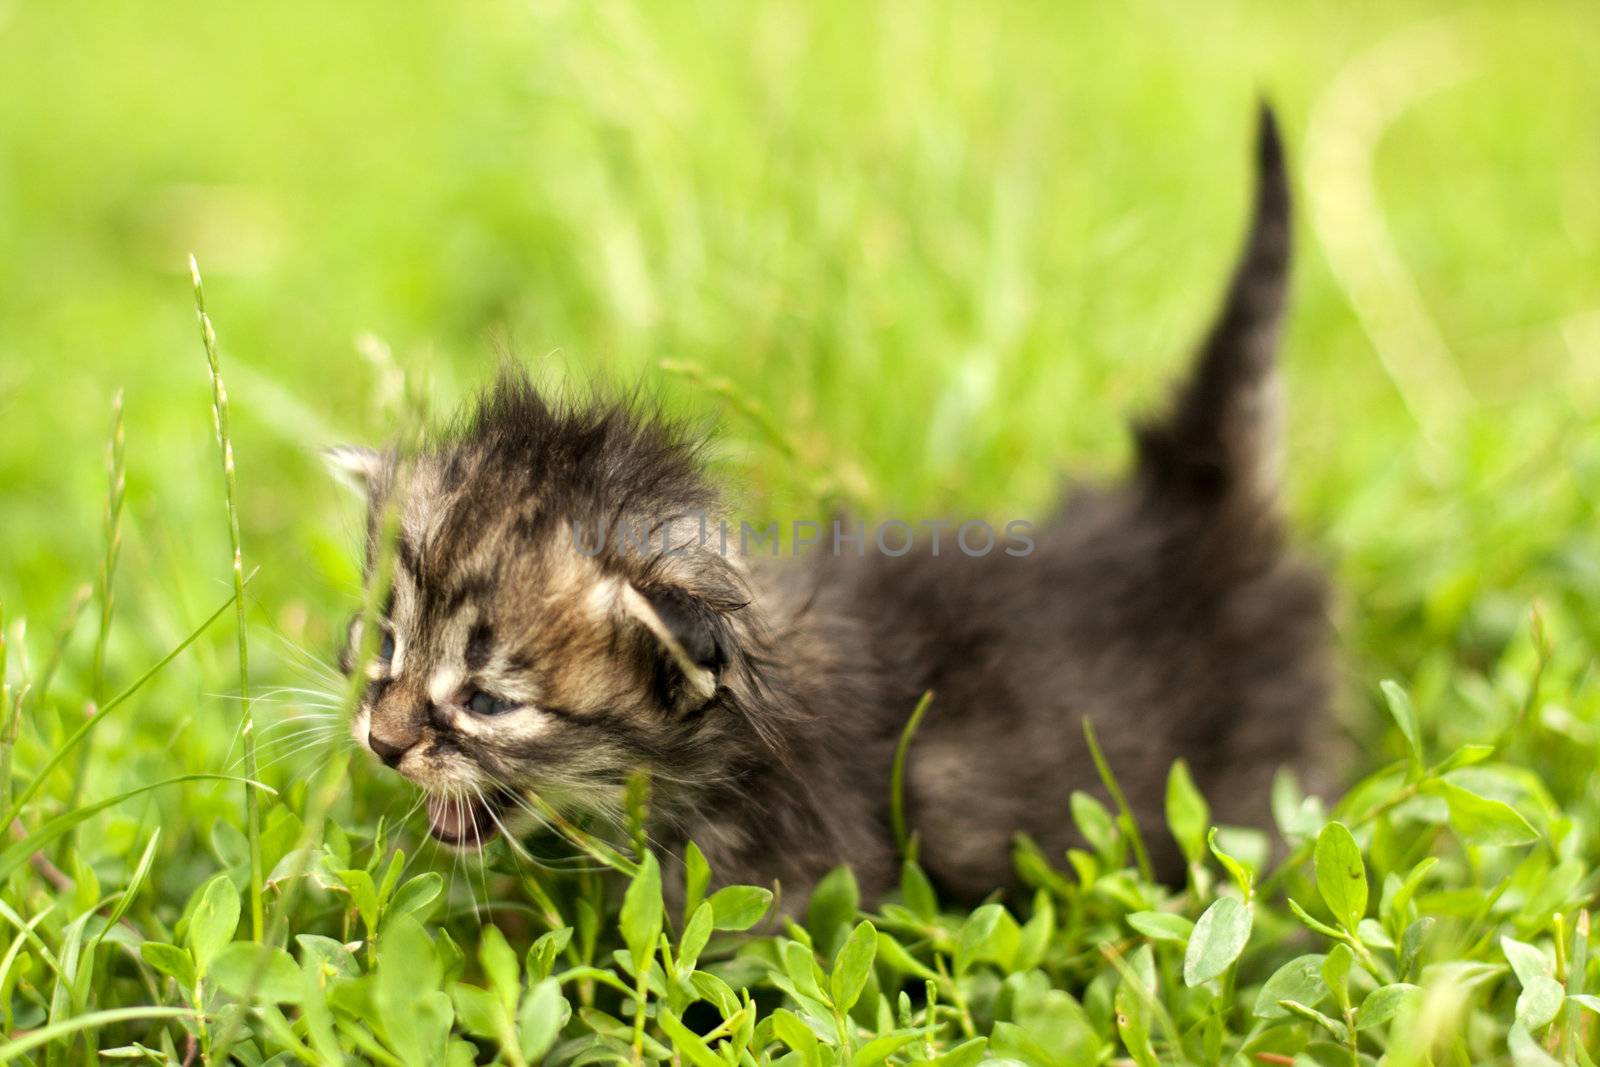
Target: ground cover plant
column 911, row 257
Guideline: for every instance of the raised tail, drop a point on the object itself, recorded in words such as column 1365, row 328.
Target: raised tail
column 1220, row 438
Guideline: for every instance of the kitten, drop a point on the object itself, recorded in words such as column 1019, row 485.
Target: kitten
column 764, row 699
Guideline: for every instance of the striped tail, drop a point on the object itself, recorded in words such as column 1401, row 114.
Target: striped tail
column 1219, row 440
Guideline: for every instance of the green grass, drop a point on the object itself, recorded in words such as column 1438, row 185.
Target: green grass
column 918, row 256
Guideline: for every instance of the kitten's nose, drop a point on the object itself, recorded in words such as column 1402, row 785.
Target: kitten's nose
column 387, row 751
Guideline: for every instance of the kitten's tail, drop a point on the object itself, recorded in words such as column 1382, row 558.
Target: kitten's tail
column 1219, row 441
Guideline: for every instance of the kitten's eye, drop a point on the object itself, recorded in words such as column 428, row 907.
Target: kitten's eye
column 482, row 703
column 386, row 650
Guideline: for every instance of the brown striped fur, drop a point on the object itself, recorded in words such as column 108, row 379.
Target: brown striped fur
column 764, row 699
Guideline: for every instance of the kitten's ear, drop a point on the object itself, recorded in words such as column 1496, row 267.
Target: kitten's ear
column 356, row 466
column 690, row 636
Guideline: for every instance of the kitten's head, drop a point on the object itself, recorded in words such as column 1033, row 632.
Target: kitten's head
column 519, row 649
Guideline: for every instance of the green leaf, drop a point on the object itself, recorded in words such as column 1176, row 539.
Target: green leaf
column 1336, row 973
column 715, row 991
column 1162, row 925
column 171, row 961
column 1341, row 876
column 966, row 1054
column 739, row 907
column 881, row 1047
column 499, row 962
column 1033, row 944
column 539, row 1021
column 1133, row 1011
column 1478, row 820
column 363, row 894
column 695, row 936
column 1586, row 1000
column 1381, row 1004
column 894, row 954
column 1299, row 980
column 1525, row 1051
column 1405, row 717
column 1241, row 873
column 1465, row 756
column 236, row 964
column 978, row 935
column 327, row 953
column 1188, row 815
column 1331, row 1025
column 1526, row 961
column 854, row 965
column 415, row 1013
column 1372, row 934
column 917, row 891
column 478, row 1011
column 687, row 1041
column 696, row 877
column 1013, row 1044
column 1395, row 907
column 800, row 963
column 1312, row 922
column 832, row 909
column 1047, row 1025
column 641, row 916
column 213, row 921
column 1094, row 822
column 1411, row 943
column 416, row 896
column 397, row 864
column 1540, row 1002
column 788, row 1028
column 1219, row 937
column 541, row 957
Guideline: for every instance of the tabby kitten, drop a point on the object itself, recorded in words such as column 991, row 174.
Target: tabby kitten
column 763, row 699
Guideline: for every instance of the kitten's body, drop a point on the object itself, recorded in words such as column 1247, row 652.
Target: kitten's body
column 765, row 699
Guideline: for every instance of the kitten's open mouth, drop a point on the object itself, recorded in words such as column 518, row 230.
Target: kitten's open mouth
column 459, row 820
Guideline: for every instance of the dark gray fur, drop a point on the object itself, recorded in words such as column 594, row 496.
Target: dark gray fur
column 1167, row 610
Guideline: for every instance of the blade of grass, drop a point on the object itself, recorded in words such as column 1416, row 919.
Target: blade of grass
column 7, row 714
column 44, row 1036
column 825, row 479
column 1109, row 780
column 83, row 980
column 219, row 413
column 320, row 800
column 24, row 935
column 116, row 485
column 58, row 648
column 105, row 590
column 18, row 854
column 897, row 773
column 89, row 724
column 575, row 835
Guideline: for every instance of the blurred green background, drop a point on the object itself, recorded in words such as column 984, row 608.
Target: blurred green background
column 948, row 247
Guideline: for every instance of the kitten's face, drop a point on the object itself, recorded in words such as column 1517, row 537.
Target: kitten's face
column 509, row 660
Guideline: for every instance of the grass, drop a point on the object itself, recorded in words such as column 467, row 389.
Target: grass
column 916, row 256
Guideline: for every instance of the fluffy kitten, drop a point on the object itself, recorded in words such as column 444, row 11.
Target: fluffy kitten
column 764, row 698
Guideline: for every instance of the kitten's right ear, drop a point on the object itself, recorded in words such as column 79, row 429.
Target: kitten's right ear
column 690, row 638
column 356, row 466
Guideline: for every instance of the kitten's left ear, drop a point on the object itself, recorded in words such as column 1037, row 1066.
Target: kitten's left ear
column 689, row 633
column 355, row 465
